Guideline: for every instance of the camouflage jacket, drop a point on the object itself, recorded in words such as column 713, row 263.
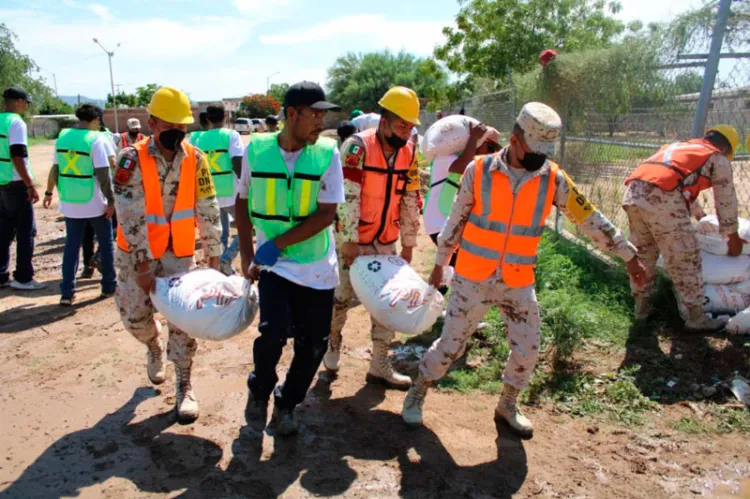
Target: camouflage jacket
column 571, row 202
column 130, row 199
column 353, row 158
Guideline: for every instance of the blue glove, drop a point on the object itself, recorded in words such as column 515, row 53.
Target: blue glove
column 268, row 254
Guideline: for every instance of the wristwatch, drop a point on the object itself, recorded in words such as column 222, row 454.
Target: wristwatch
column 47, row 194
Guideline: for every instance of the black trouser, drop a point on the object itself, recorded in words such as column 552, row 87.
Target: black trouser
column 444, row 289
column 289, row 310
column 88, row 240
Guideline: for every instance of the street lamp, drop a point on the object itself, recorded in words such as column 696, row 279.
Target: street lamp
column 111, row 81
column 268, row 80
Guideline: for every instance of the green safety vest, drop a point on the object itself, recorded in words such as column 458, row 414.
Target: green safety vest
column 195, row 136
column 75, row 178
column 447, row 196
column 6, row 165
column 277, row 201
column 215, row 143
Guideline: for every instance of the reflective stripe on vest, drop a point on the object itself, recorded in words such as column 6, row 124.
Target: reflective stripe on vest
column 6, row 164
column 382, row 190
column 448, row 191
column 125, row 139
column 668, row 168
column 505, row 227
column 279, row 201
column 215, row 143
column 179, row 230
column 75, row 177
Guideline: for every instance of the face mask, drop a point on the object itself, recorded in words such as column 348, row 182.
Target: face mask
column 395, row 141
column 533, row 161
column 134, row 133
column 171, row 139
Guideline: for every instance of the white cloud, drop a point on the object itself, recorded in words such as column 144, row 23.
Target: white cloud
column 377, row 28
column 101, row 11
column 264, row 9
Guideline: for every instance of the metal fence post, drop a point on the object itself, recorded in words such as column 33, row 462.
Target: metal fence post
column 712, row 67
column 563, row 141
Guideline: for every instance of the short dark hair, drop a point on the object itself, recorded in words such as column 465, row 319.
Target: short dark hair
column 718, row 140
column 271, row 120
column 203, row 118
column 215, row 113
column 388, row 115
column 89, row 112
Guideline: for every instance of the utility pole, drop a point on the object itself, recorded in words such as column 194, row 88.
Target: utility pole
column 54, row 79
column 111, row 81
column 712, row 67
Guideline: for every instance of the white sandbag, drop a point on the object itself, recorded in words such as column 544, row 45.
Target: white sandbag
column 740, row 323
column 394, row 294
column 710, row 240
column 206, row 304
column 719, row 269
column 366, row 121
column 724, row 299
column 450, row 136
column 710, row 225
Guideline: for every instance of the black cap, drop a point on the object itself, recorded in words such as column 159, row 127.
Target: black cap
column 271, row 120
column 17, row 93
column 307, row 93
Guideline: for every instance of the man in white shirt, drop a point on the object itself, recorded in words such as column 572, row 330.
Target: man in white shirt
column 80, row 170
column 290, row 186
column 17, row 193
column 224, row 149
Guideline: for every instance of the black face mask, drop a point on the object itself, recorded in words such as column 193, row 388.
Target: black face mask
column 395, row 141
column 171, row 139
column 134, row 134
column 532, row 161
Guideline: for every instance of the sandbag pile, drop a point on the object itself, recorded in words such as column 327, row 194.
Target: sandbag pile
column 394, row 294
column 206, row 304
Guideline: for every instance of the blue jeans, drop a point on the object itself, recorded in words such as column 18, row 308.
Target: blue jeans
column 230, row 250
column 74, row 228
column 16, row 221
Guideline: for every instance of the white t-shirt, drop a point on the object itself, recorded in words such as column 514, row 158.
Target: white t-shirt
column 17, row 136
column 323, row 274
column 433, row 219
column 101, row 150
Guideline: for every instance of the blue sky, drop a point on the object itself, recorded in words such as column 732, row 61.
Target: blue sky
column 227, row 48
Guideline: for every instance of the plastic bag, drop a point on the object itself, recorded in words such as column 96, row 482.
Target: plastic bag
column 366, row 121
column 450, row 136
column 394, row 294
column 711, row 241
column 710, row 225
column 740, row 323
column 206, row 304
column 725, row 269
column 724, row 299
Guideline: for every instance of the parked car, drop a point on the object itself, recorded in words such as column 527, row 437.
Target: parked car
column 249, row 125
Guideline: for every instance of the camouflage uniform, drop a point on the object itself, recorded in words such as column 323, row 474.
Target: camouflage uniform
column 348, row 231
column 135, row 307
column 660, row 223
column 470, row 300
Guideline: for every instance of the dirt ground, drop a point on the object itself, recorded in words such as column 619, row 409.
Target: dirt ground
column 79, row 418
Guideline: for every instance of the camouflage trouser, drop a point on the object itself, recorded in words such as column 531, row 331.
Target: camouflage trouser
column 467, row 304
column 344, row 296
column 665, row 228
column 137, row 311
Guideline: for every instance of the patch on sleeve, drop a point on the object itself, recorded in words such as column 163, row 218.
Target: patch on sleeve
column 577, row 205
column 205, row 183
column 125, row 168
column 413, row 176
column 354, row 156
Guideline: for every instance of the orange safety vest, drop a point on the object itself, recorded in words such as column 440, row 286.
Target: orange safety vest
column 180, row 228
column 505, row 227
column 669, row 167
column 382, row 190
column 125, row 142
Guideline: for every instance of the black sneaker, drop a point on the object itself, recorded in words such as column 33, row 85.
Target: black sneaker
column 256, row 412
column 67, row 301
column 87, row 272
column 285, row 421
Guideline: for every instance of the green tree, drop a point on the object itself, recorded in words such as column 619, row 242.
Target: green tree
column 493, row 36
column 18, row 69
column 143, row 94
column 278, row 90
column 53, row 105
column 359, row 81
column 123, row 99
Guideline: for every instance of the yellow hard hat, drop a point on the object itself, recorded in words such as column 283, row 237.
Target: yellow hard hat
column 729, row 133
column 171, row 105
column 402, row 102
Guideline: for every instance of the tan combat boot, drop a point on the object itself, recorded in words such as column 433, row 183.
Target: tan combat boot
column 155, row 361
column 186, row 403
column 507, row 411
column 697, row 322
column 381, row 370
column 642, row 307
column 332, row 358
column 412, row 411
